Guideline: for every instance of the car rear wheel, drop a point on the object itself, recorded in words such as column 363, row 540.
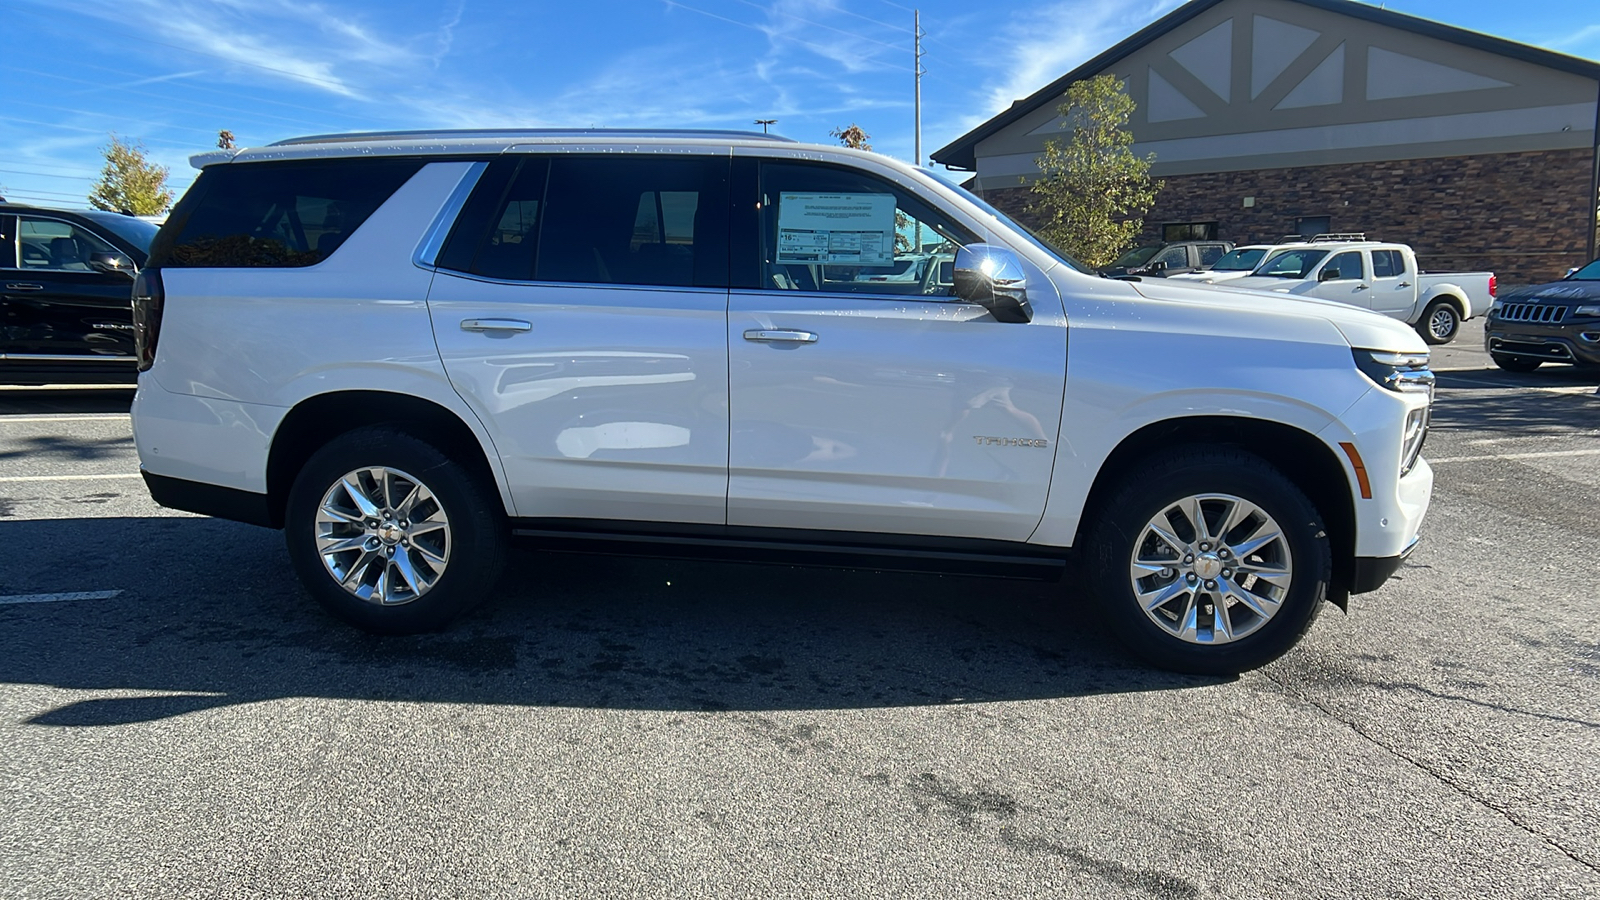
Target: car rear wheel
column 1515, row 363
column 1440, row 323
column 1209, row 560
column 392, row 536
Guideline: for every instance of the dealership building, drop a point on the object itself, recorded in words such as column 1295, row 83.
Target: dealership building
column 1276, row 117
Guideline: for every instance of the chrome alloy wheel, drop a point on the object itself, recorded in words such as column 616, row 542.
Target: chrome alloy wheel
column 1211, row 568
column 1442, row 323
column 382, row 535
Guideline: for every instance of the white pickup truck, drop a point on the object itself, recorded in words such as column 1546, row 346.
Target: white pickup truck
column 1376, row 276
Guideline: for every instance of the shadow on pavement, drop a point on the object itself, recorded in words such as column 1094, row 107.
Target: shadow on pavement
column 1515, row 410
column 212, row 616
column 33, row 401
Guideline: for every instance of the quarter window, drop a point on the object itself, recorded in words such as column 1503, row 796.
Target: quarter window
column 834, row 230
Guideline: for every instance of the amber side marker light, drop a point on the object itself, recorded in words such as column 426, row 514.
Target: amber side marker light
column 1360, row 467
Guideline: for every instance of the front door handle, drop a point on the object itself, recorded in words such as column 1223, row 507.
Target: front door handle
column 1404, row 284
column 767, row 336
column 24, row 287
column 1361, row 287
column 483, row 325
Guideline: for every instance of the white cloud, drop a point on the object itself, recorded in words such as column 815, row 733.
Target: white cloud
column 1576, row 39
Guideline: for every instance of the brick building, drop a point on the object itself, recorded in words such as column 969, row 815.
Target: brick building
column 1272, row 117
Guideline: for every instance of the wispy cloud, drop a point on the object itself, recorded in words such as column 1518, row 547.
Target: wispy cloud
column 1576, row 39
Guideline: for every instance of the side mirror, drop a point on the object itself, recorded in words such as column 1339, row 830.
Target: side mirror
column 1570, row 273
column 992, row 277
column 112, row 263
column 1156, row 268
column 1329, row 275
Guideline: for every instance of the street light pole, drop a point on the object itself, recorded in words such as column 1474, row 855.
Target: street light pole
column 764, row 123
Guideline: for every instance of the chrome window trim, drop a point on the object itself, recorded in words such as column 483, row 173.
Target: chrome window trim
column 427, row 254
column 66, row 357
column 857, row 295
column 591, row 285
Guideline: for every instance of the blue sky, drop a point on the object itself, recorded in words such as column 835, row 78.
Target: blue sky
column 172, row 73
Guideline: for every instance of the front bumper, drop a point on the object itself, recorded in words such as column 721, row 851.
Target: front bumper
column 1370, row 572
column 1570, row 342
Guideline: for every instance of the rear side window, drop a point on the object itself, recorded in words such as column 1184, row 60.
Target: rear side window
column 1210, row 253
column 1387, row 263
column 643, row 220
column 276, row 215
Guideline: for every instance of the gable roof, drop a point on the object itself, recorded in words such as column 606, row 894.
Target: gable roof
column 962, row 152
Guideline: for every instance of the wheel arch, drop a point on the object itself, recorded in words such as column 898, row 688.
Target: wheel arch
column 315, row 421
column 1449, row 293
column 1302, row 457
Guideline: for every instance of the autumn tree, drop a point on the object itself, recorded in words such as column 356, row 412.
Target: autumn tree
column 129, row 183
column 1093, row 191
column 855, row 138
column 852, row 136
column 224, row 140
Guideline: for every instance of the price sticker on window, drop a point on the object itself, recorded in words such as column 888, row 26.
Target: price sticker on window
column 836, row 229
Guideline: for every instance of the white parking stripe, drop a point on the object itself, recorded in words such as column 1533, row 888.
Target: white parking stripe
column 1535, row 454
column 56, row 598
column 67, row 417
column 14, row 479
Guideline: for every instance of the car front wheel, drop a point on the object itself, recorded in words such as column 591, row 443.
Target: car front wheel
column 1209, row 560
column 392, row 536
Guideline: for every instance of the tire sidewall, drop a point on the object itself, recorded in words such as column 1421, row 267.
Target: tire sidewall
column 476, row 539
column 1123, row 522
column 1426, row 328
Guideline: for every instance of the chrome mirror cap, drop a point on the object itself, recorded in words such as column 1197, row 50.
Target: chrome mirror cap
column 992, row 277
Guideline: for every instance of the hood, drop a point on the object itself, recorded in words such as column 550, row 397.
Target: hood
column 1553, row 292
column 1210, row 276
column 1361, row 328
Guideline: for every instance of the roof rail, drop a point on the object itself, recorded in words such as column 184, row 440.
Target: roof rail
column 1346, row 236
column 468, row 133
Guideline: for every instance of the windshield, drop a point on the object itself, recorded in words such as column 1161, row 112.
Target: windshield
column 137, row 232
column 1591, row 272
column 1136, row 257
column 1292, row 264
column 1020, row 228
column 1239, row 261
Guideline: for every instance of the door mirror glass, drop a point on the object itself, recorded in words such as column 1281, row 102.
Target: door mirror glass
column 1329, row 274
column 111, row 263
column 992, row 277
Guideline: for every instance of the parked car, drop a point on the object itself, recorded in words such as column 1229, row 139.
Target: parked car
column 1377, row 276
column 403, row 349
column 65, row 280
column 1166, row 259
column 1554, row 322
column 1236, row 263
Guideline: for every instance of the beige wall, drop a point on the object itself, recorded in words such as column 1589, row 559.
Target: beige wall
column 1262, row 84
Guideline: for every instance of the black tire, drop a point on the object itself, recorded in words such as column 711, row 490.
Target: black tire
column 1515, row 363
column 1159, row 482
column 1445, row 309
column 477, row 531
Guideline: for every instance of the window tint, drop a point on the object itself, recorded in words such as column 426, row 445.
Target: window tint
column 835, row 230
column 54, row 245
column 1239, row 261
column 1210, row 253
column 8, row 242
column 506, row 249
column 1387, row 264
column 276, row 215
column 639, row 220
column 1348, row 264
column 1174, row 257
column 1292, row 263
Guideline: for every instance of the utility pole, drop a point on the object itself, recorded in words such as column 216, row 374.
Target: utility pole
column 917, row 33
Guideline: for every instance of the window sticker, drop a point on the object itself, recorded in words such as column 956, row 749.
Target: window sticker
column 853, row 229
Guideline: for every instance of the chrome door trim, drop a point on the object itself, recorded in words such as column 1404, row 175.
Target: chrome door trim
column 22, row 286
column 780, row 336
column 66, row 357
column 483, row 325
column 427, row 254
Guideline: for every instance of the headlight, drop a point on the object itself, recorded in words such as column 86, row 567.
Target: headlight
column 1405, row 372
column 1416, row 432
column 1587, row 311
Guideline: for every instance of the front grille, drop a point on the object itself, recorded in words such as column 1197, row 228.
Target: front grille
column 1532, row 312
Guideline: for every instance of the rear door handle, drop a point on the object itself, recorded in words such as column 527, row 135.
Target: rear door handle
column 767, row 336
column 24, row 287
column 483, row 325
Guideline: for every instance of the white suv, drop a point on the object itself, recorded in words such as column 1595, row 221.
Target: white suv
column 403, row 349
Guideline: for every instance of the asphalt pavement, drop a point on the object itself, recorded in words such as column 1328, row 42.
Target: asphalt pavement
column 177, row 719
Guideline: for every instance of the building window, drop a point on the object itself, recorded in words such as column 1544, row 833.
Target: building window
column 1189, row 231
column 1311, row 226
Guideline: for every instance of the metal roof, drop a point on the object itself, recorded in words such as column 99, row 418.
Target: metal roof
column 962, row 152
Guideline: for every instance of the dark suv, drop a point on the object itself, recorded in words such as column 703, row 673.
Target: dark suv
column 65, row 285
column 1160, row 260
column 1554, row 322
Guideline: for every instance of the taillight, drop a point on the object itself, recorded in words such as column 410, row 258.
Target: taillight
column 1494, row 285
column 148, row 295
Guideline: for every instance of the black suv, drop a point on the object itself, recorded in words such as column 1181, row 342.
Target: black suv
column 1161, row 260
column 1554, row 322
column 66, row 279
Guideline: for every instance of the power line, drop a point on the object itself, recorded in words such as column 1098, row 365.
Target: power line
column 44, row 175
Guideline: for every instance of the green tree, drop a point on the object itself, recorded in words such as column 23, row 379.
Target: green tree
column 129, row 183
column 1093, row 192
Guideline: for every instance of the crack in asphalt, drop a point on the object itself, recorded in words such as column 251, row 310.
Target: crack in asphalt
column 1438, row 776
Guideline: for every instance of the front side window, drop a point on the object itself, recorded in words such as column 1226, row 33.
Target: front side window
column 1174, row 257
column 276, row 215
column 835, row 230
column 8, row 242
column 54, row 245
column 1292, row 263
column 1348, row 264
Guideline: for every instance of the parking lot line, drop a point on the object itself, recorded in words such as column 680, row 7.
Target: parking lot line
column 1532, row 454
column 56, row 598
column 14, row 479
